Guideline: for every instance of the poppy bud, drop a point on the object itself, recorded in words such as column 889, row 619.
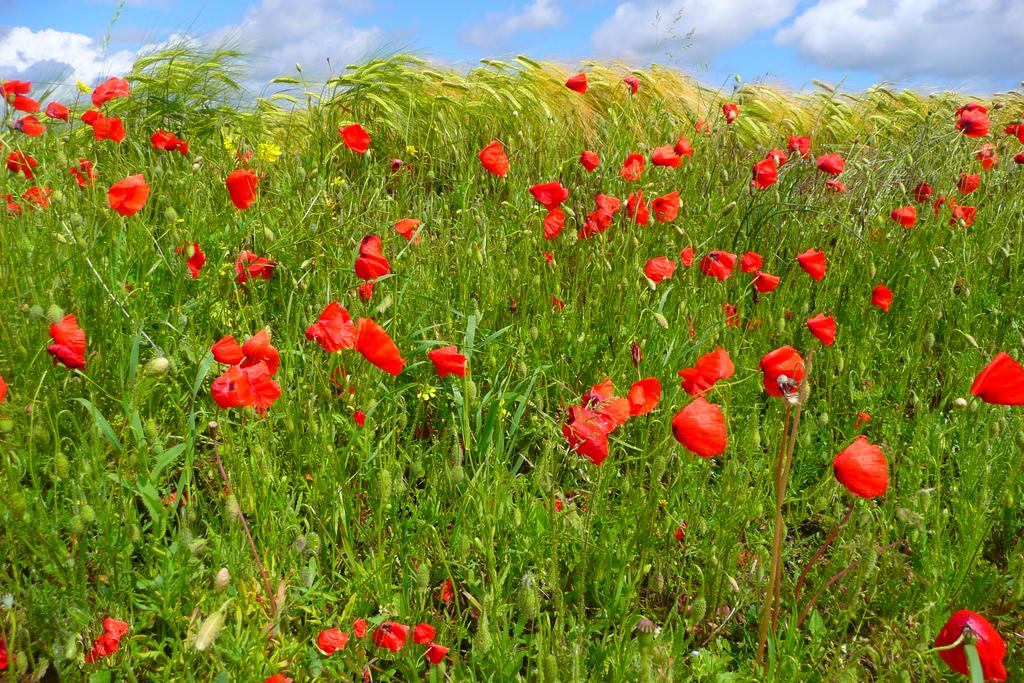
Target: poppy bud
column 661, row 320
column 222, row 579
column 6, row 425
column 75, row 524
column 88, row 514
column 527, row 600
column 60, row 465
column 698, row 610
column 54, row 313
column 158, row 366
column 970, row 340
column 423, row 577
column 456, row 475
column 234, row 510
column 550, row 669
column 307, row 573
column 208, row 630
column 17, row 504
column 960, row 403
column 482, row 641
column 268, row 234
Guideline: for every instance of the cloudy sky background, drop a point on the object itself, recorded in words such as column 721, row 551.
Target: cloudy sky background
column 971, row 45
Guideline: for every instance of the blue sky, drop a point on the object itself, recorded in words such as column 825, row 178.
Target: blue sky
column 926, row 44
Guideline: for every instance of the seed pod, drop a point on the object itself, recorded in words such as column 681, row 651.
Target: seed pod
column 661, row 320
column 233, row 509
column 308, row 572
column 482, row 641
column 54, row 313
column 698, row 610
column 61, row 467
column 87, row 513
column 423, row 577
column 158, row 366
column 222, row 580
column 456, row 475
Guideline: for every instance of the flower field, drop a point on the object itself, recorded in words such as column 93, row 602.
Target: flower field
column 513, row 374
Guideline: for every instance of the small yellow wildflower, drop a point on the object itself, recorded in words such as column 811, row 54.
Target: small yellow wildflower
column 83, row 87
column 412, row 151
column 268, row 152
column 426, row 393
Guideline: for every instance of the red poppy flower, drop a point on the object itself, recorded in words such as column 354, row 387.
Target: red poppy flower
column 104, row 127
column 407, row 229
column 968, row 182
column 658, row 269
column 989, row 644
column 702, row 126
column 334, row 330
column 813, row 262
column 700, row 427
column 1018, row 158
column 730, row 111
column 589, row 160
column 553, row 223
column 835, row 185
column 881, row 296
column 633, row 82
column 68, row 345
column 763, row 282
column 10, row 88
column 4, row 657
column 800, row 144
column 241, row 386
column 766, row 173
column 557, row 304
column 666, row 207
column 391, row 635
column 256, row 349
column 987, row 156
column 922, row 192
column 643, row 396
column 779, row 156
column 331, row 640
column 448, row 361
column 632, row 167
column 107, row 643
column 577, row 83
column 862, row 469
column 248, row 265
column 709, row 368
column 376, row 346
column 3, row 395
column 823, row 327
column 12, row 206
column 637, row 209
column 782, row 370
column 862, row 418
column 905, row 216
column 718, row 264
column 587, row 433
column 1001, row 382
column 371, row 263
column 128, row 196
column 961, row 213
column 683, row 147
column 30, row 126
column 832, row 163
column 436, row 653
column 277, row 678
column 550, row 195
column 84, row 173
column 686, row 256
column 355, row 138
column 751, row 261
column 109, row 89
column 242, row 184
column 20, row 162
column 359, row 628
column 666, row 156
column 195, row 258
column 25, row 104
column 39, row 196
column 56, row 110
column 973, row 121
column 168, row 142
column 493, row 158
column 423, row 634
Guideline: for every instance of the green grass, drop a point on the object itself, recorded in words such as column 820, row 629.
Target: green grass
column 453, row 480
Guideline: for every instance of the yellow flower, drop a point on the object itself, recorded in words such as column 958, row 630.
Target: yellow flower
column 229, row 144
column 426, row 393
column 268, row 152
column 83, row 87
column 411, row 151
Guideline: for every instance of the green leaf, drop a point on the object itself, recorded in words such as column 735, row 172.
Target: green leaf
column 104, row 426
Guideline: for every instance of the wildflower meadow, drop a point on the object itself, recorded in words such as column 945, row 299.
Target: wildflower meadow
column 520, row 373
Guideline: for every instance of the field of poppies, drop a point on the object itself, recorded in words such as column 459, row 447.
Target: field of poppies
column 512, row 374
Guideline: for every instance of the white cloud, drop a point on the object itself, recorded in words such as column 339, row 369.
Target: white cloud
column 972, row 40
column 55, row 57
column 646, row 29
column 498, row 27
column 280, row 33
